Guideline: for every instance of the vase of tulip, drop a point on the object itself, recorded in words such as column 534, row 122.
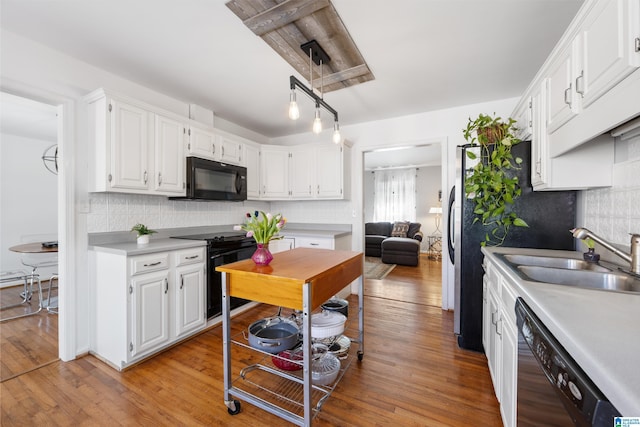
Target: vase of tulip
column 263, row 227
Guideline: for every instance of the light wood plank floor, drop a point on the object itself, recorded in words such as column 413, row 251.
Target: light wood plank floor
column 412, row 374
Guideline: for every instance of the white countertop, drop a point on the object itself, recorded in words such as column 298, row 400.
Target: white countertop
column 599, row 329
column 313, row 233
column 157, row 245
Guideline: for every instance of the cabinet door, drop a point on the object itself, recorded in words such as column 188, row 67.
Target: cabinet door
column 329, row 179
column 129, row 146
column 562, row 98
column 302, row 167
column 203, row 143
column 281, row 245
column 169, row 156
column 495, row 345
column 524, row 121
column 315, row 242
column 609, row 47
column 149, row 312
column 486, row 316
column 274, row 173
column 252, row 162
column 189, row 296
column 538, row 138
column 230, row 150
column 508, row 389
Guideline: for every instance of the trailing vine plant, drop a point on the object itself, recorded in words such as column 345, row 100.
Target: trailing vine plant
column 488, row 183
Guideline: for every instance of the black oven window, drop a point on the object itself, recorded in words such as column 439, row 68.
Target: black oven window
column 211, row 180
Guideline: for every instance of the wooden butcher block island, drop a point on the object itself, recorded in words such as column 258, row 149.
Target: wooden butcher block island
column 300, row 279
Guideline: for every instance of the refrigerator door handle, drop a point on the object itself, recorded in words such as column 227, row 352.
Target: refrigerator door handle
column 451, row 224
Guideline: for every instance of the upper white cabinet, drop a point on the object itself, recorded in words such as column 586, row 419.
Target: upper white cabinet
column 523, row 118
column 203, row 143
column 610, row 47
column 231, row 149
column 252, row 163
column 304, row 172
column 135, row 149
column 563, row 101
column 169, row 136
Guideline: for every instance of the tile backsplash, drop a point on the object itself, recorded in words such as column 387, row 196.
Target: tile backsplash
column 614, row 212
column 119, row 212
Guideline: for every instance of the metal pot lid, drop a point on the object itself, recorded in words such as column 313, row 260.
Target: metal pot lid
column 327, row 319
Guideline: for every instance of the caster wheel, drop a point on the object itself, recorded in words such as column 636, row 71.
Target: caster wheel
column 360, row 356
column 236, row 409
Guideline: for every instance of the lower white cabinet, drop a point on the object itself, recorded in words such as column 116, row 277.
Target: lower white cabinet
column 500, row 340
column 145, row 303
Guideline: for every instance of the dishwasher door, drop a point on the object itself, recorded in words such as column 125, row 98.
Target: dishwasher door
column 552, row 389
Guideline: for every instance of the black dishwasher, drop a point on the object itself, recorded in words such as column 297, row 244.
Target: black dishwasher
column 552, row 389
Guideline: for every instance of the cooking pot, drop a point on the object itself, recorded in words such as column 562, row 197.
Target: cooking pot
column 337, row 304
column 327, row 324
column 273, row 335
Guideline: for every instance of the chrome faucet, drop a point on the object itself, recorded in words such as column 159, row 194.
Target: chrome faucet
column 633, row 258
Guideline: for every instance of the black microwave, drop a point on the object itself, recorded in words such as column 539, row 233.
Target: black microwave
column 210, row 180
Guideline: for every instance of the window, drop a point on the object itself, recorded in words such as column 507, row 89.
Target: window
column 394, row 195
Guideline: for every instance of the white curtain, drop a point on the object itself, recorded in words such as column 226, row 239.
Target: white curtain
column 394, row 195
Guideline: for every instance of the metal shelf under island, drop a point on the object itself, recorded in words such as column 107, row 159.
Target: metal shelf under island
column 300, row 279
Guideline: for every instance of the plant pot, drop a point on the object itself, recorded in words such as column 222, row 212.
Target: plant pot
column 491, row 135
column 262, row 256
column 143, row 239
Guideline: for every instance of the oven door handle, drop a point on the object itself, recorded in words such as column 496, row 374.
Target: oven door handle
column 228, row 253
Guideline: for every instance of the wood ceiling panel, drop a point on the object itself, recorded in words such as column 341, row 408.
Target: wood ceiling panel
column 286, row 24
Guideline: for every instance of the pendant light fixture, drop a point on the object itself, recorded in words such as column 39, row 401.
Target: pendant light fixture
column 318, row 56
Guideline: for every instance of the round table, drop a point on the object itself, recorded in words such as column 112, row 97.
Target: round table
column 33, row 248
column 37, row 248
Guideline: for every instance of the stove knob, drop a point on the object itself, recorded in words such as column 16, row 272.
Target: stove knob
column 575, row 390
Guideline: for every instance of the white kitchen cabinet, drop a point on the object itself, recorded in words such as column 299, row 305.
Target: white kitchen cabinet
column 500, row 338
column 203, row 143
column 610, row 47
column 135, row 148
column 523, row 118
column 281, row 245
column 252, row 163
column 189, row 291
column 539, row 159
column 169, row 137
column 145, row 303
column 274, row 172
column 149, row 312
column 302, row 170
column 330, row 171
column 231, row 150
column 562, row 99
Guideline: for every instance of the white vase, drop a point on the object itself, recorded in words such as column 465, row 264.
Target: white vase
column 143, row 239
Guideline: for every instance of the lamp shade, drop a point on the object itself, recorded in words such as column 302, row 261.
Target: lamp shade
column 435, row 210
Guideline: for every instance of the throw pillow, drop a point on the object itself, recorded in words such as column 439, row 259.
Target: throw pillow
column 400, row 229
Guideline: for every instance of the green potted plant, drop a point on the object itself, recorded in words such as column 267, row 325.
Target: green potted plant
column 143, row 233
column 489, row 184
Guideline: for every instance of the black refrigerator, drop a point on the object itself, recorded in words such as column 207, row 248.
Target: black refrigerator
column 550, row 215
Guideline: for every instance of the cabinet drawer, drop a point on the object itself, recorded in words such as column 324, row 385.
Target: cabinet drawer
column 147, row 263
column 190, row 256
column 311, row 242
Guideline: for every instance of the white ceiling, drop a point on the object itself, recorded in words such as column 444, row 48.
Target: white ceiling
column 425, row 54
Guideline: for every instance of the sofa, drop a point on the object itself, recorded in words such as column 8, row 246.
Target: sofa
column 394, row 243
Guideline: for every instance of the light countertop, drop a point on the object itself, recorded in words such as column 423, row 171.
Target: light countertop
column 157, row 245
column 313, row 233
column 599, row 329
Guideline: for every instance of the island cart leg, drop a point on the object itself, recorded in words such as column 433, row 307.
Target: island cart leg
column 306, row 352
column 233, row 406
column 361, row 317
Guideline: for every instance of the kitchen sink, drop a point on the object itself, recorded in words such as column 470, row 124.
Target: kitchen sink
column 610, row 281
column 553, row 262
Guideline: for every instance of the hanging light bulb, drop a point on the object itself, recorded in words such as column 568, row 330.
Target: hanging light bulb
column 337, row 138
column 294, row 112
column 317, row 123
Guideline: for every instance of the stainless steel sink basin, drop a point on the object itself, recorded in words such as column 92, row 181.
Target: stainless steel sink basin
column 553, row 262
column 610, row 281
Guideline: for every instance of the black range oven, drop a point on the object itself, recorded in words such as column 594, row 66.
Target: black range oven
column 222, row 248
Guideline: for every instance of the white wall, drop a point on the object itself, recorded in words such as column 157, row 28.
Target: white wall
column 28, row 198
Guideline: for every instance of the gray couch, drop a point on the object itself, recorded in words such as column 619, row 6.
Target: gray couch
column 392, row 250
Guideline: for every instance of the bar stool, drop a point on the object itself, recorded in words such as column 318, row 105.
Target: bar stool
column 27, row 279
column 52, row 306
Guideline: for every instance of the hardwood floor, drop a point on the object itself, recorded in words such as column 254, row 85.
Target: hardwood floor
column 29, row 342
column 412, row 374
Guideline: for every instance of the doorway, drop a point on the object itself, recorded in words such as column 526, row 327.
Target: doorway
column 421, row 284
column 29, row 188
